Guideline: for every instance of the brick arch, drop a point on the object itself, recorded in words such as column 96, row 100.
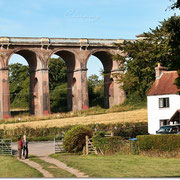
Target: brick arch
column 105, row 56
column 29, row 55
column 69, row 56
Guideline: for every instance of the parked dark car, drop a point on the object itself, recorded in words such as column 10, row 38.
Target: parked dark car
column 169, row 129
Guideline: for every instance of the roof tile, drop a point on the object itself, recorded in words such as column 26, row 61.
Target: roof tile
column 165, row 84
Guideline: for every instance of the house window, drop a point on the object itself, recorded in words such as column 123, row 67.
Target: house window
column 163, row 102
column 163, row 122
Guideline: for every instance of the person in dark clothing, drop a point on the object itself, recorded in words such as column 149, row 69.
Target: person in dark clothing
column 25, row 147
column 20, row 146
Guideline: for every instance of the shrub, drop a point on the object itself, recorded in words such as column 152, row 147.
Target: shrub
column 159, row 143
column 74, row 139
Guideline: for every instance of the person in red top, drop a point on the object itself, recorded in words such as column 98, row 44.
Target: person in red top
column 20, row 146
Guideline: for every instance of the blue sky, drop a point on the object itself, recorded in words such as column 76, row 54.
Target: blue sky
column 81, row 19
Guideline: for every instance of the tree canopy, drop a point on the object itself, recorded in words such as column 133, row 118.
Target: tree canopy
column 160, row 45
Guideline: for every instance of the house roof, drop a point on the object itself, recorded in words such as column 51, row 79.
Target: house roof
column 165, row 84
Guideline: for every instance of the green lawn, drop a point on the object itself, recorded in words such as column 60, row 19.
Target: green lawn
column 122, row 165
column 11, row 167
column 53, row 169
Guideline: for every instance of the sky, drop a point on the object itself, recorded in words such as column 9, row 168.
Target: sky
column 113, row 19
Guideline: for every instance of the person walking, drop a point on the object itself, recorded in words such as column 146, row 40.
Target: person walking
column 25, row 147
column 20, row 146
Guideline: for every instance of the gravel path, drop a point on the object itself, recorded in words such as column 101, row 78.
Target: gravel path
column 62, row 165
column 42, row 150
column 38, row 167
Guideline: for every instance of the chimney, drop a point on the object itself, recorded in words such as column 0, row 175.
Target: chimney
column 159, row 70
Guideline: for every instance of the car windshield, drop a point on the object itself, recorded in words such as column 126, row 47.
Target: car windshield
column 167, row 129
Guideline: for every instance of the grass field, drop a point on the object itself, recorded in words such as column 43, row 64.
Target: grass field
column 139, row 115
column 11, row 167
column 120, row 165
column 53, row 169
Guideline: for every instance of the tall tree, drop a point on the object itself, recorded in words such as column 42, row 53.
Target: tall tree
column 161, row 44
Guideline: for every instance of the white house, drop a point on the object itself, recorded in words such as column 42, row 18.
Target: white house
column 163, row 100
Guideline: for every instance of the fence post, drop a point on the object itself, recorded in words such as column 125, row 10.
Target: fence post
column 87, row 149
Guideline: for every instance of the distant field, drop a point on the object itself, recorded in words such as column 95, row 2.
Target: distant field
column 128, row 116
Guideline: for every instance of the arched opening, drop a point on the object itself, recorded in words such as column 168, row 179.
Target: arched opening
column 61, row 69
column 20, row 65
column 99, row 82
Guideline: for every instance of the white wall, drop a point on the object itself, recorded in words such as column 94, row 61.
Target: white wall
column 155, row 114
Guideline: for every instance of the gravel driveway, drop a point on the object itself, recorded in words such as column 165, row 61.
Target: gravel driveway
column 38, row 148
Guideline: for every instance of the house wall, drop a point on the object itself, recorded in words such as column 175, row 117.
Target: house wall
column 155, row 114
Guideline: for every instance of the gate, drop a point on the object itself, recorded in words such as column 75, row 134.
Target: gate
column 6, row 146
column 58, row 145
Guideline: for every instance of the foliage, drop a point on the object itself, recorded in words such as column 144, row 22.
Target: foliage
column 96, row 91
column 58, row 98
column 108, row 145
column 57, row 72
column 159, row 45
column 159, row 143
column 175, row 4
column 19, row 85
column 74, row 139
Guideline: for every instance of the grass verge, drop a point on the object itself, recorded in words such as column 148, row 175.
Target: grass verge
column 11, row 167
column 119, row 165
column 52, row 168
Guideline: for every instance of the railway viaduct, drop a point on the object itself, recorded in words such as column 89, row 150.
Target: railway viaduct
column 75, row 52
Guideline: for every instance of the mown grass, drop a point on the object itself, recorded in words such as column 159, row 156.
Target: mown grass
column 11, row 167
column 119, row 165
column 53, row 169
column 139, row 115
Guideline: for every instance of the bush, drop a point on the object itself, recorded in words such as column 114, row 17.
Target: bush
column 108, row 145
column 159, row 143
column 74, row 139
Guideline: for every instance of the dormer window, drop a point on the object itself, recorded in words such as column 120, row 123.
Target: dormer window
column 163, row 102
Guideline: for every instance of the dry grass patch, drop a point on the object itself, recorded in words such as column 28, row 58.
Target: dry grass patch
column 118, row 117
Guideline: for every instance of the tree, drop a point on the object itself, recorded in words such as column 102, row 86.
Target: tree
column 175, row 5
column 57, row 72
column 96, row 91
column 58, row 98
column 159, row 45
column 19, row 85
column 58, row 85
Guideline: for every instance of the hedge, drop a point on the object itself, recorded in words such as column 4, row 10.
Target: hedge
column 125, row 130
column 108, row 145
column 159, row 143
column 74, row 139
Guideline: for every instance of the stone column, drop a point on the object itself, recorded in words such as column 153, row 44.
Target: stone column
column 4, row 94
column 106, row 89
column 118, row 92
column 70, row 86
column 39, row 90
column 113, row 92
column 80, row 91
